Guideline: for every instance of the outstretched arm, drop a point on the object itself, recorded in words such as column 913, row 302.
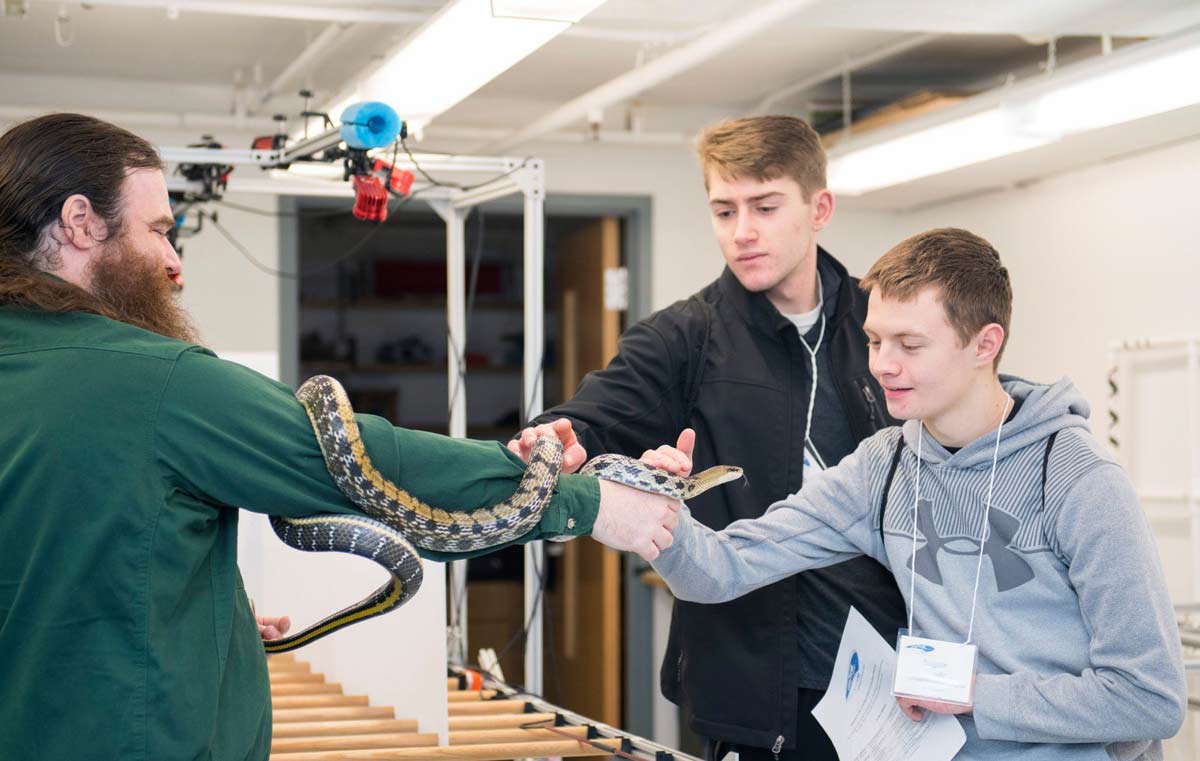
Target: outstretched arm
column 827, row 522
column 231, row 437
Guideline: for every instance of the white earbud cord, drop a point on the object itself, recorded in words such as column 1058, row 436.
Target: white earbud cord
column 912, row 588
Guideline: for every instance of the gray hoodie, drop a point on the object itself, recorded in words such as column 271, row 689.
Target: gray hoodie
column 1079, row 654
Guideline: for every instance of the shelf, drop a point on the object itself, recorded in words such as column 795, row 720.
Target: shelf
column 437, row 303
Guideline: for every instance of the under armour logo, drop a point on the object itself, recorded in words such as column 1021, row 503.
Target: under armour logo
column 1009, row 568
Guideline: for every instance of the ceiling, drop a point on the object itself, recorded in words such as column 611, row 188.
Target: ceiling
column 131, row 57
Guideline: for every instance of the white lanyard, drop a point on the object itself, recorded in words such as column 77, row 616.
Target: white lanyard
column 812, row 395
column 912, row 590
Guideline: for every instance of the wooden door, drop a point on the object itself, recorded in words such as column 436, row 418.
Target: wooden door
column 584, row 621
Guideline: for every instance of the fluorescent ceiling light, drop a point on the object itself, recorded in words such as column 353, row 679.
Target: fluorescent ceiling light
column 462, row 48
column 1140, row 81
column 955, row 144
column 1125, row 94
column 553, row 10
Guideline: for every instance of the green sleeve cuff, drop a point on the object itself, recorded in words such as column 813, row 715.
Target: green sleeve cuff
column 572, row 510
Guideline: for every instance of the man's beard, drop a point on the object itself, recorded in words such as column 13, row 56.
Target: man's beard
column 134, row 286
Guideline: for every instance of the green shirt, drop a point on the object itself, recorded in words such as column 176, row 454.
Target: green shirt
column 125, row 632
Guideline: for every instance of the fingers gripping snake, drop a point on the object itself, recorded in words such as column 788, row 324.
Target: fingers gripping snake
column 396, row 522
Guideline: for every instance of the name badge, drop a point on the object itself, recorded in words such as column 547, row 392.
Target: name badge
column 930, row 669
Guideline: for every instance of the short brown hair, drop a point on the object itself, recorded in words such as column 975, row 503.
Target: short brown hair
column 765, row 148
column 965, row 268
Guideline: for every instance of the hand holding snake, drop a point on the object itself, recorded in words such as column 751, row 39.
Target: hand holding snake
column 395, row 520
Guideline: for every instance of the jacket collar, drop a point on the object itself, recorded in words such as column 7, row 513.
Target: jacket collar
column 840, row 292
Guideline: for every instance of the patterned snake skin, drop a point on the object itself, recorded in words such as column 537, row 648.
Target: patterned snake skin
column 398, row 520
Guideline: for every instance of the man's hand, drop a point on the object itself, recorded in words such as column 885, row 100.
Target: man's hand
column 574, row 455
column 673, row 459
column 915, row 709
column 635, row 521
column 273, row 627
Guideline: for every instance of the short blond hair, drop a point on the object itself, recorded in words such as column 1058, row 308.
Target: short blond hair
column 765, row 148
column 966, row 269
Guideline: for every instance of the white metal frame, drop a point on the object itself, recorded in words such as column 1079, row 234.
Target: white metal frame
column 1121, row 353
column 511, row 176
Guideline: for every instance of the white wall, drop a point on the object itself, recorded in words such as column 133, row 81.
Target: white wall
column 1104, row 253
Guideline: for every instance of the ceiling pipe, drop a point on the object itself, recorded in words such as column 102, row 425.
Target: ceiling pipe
column 612, row 137
column 183, row 121
column 262, row 125
column 308, row 59
column 586, row 31
column 350, row 15
column 654, row 73
column 908, row 43
column 292, row 12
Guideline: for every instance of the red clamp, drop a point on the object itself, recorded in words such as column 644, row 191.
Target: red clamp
column 370, row 198
column 402, row 179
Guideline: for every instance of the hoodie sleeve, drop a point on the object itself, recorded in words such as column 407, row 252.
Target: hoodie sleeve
column 1135, row 688
column 826, row 522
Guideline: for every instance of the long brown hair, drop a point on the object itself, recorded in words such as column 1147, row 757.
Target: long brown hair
column 43, row 162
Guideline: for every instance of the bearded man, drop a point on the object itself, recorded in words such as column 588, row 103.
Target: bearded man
column 124, row 627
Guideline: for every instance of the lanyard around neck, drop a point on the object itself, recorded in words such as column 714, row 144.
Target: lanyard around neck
column 912, row 590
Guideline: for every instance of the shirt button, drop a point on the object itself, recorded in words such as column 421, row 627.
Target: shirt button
column 570, row 523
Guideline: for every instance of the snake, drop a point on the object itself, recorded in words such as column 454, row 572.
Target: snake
column 395, row 523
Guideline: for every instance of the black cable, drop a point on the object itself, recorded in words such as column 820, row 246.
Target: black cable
column 549, row 611
column 528, row 403
column 309, row 214
column 328, row 265
column 457, row 186
column 338, row 212
column 461, row 351
column 398, row 144
column 523, row 632
column 421, row 171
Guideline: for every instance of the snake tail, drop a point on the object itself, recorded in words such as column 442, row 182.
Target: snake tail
column 358, row 536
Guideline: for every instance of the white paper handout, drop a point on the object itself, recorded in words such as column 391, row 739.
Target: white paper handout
column 859, row 712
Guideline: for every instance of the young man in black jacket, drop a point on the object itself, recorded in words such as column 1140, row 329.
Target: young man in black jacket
column 768, row 366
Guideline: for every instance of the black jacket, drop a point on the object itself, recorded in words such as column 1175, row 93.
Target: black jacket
column 728, row 364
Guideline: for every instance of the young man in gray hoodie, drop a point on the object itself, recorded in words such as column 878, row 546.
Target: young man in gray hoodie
column 1078, row 651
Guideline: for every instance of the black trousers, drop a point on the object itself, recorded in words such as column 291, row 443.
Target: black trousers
column 812, row 744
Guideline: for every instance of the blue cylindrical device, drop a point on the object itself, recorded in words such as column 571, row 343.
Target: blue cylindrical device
column 370, row 124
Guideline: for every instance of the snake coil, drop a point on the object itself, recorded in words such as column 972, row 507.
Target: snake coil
column 396, row 522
